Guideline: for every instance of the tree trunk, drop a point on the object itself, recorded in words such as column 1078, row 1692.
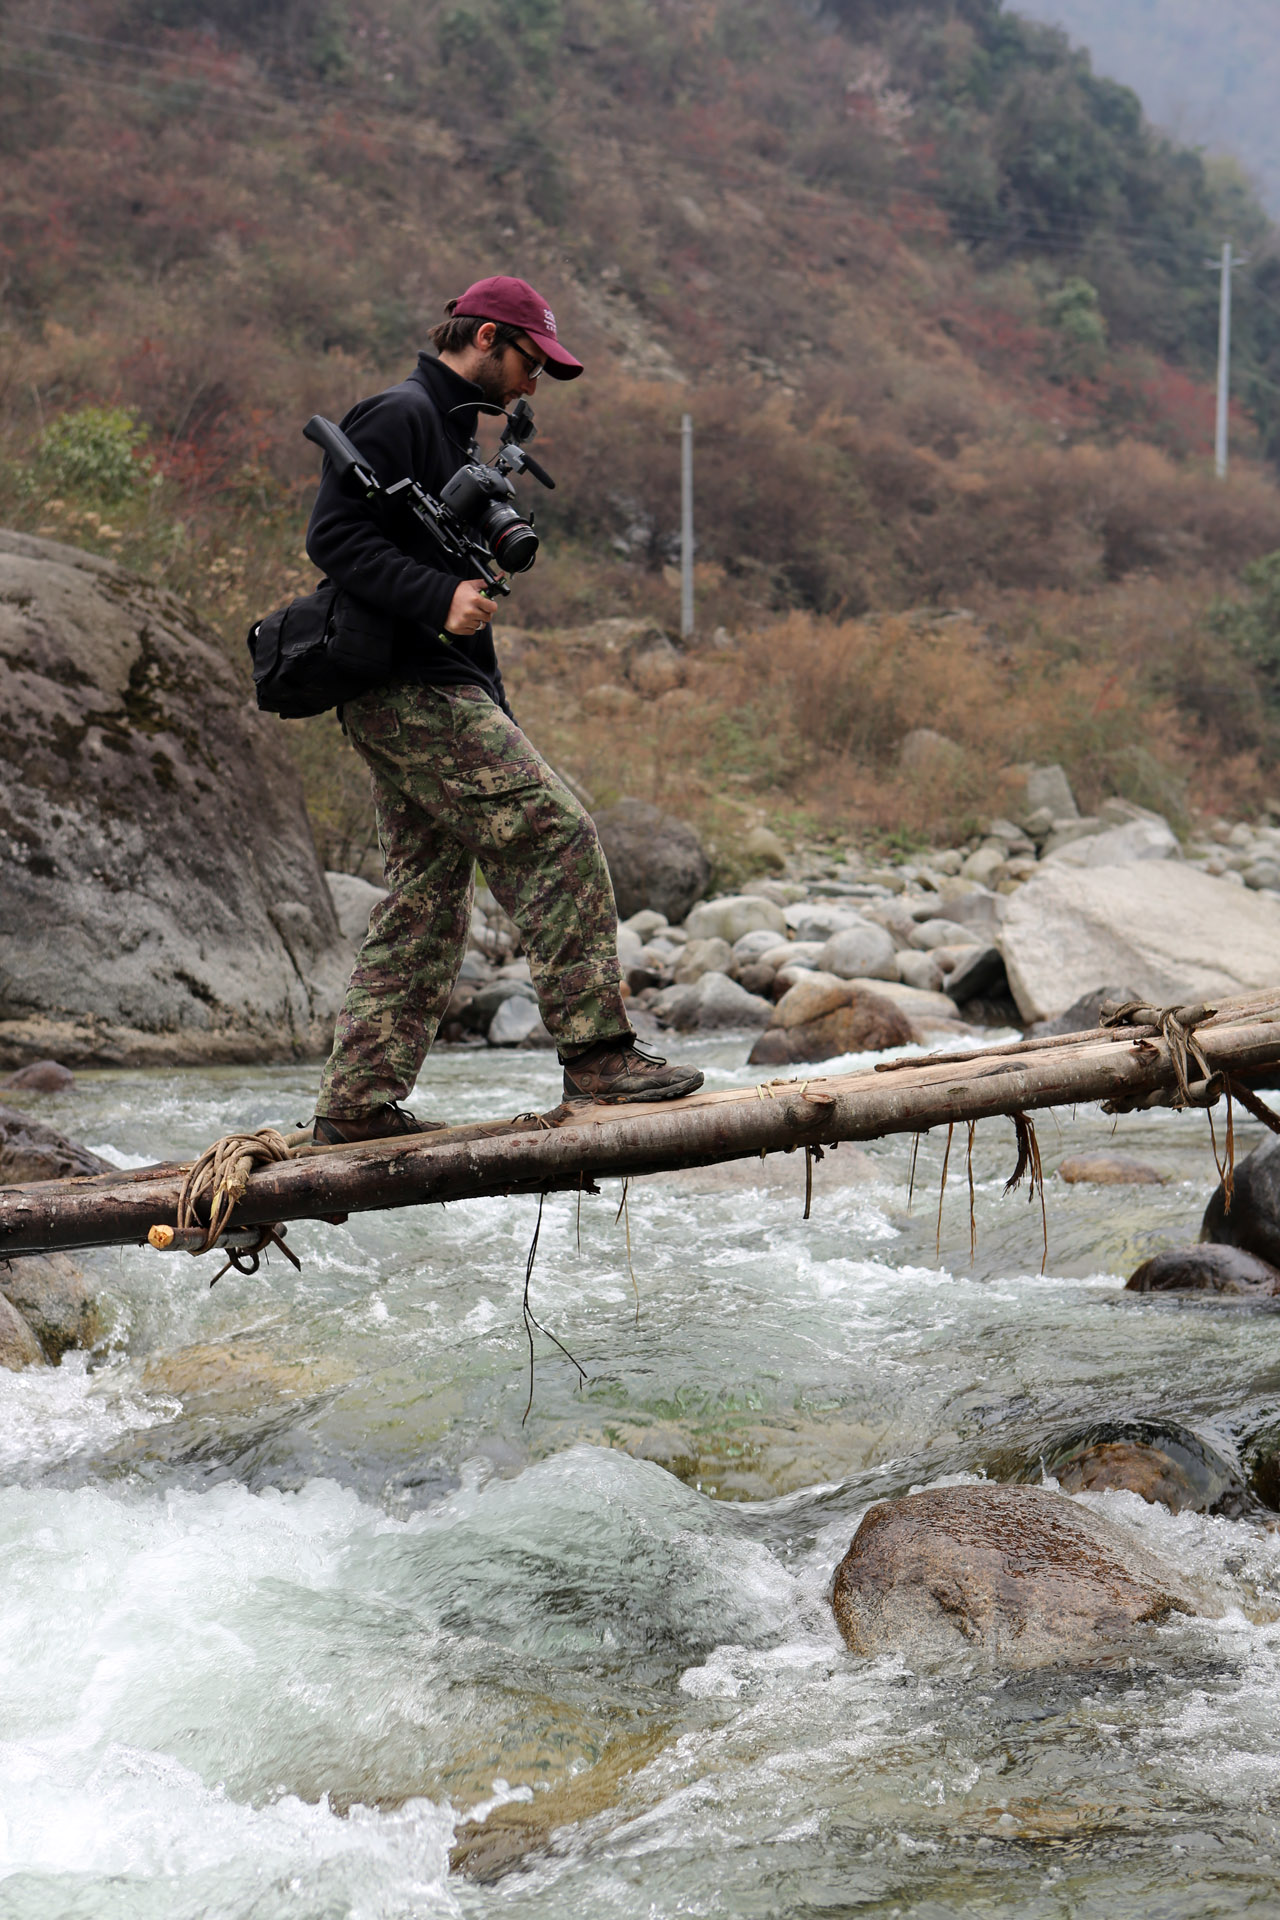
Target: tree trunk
column 575, row 1147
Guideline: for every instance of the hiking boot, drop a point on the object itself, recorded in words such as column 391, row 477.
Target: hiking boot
column 380, row 1124
column 616, row 1070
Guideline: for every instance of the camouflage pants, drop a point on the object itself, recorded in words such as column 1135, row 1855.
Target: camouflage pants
column 456, row 782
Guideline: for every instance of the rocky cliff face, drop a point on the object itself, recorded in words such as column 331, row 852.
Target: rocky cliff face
column 160, row 896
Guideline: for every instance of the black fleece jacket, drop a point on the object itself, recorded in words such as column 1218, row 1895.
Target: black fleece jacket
column 423, row 428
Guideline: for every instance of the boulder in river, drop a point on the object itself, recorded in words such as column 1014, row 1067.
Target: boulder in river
column 1260, row 1453
column 163, row 902
column 822, row 1017
column 1084, row 1014
column 40, row 1076
column 1165, row 1465
column 19, row 1347
column 813, row 995
column 1103, row 1169
column 31, row 1151
column 1253, row 1220
column 923, row 1009
column 656, row 860
column 1017, row 1575
column 1210, row 1269
column 54, row 1299
column 1176, row 934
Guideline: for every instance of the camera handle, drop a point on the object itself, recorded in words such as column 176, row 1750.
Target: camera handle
column 355, row 475
column 514, row 456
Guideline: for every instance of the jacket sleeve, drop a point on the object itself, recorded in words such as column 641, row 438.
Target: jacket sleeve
column 345, row 539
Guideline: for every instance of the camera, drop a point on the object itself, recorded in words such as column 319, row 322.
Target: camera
column 475, row 521
column 483, row 498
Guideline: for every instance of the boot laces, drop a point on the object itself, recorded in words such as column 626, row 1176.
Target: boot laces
column 632, row 1055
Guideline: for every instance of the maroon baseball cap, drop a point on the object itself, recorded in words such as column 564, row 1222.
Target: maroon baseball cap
column 514, row 301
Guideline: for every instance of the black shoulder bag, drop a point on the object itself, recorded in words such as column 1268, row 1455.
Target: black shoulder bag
column 321, row 650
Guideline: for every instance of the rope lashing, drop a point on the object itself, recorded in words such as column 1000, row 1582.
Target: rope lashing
column 217, row 1183
column 1177, row 1028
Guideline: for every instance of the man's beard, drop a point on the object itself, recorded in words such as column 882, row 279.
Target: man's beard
column 492, row 380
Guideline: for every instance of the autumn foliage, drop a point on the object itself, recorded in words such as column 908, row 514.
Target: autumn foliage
column 211, row 231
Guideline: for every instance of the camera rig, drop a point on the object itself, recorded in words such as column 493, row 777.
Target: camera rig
column 475, row 521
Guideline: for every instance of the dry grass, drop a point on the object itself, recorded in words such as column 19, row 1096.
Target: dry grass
column 903, row 447
column 801, row 722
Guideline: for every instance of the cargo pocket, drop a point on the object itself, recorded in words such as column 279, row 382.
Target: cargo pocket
column 504, row 804
column 373, row 719
column 488, row 756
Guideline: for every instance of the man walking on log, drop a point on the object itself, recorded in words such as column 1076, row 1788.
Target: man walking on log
column 454, row 779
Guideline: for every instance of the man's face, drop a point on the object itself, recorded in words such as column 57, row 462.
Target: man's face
column 506, row 373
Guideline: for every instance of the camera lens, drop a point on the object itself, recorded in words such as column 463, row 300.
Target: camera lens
column 511, row 540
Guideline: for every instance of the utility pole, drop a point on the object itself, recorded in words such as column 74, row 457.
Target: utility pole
column 1224, row 365
column 686, row 527
column 1226, row 267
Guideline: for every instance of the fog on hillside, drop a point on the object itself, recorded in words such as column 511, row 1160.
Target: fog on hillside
column 1206, row 70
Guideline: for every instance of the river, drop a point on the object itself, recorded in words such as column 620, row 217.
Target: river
column 294, row 1595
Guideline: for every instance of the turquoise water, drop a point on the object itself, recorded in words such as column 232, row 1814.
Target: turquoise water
column 293, row 1599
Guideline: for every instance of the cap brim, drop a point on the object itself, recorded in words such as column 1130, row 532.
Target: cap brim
column 560, row 365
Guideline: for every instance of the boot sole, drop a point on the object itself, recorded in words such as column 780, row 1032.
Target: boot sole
column 335, row 1139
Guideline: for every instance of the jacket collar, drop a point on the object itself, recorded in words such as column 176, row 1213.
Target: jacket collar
column 451, row 392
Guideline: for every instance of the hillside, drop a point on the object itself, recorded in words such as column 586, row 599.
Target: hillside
column 933, row 292
column 1207, row 71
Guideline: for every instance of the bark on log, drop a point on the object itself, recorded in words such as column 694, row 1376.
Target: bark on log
column 592, row 1143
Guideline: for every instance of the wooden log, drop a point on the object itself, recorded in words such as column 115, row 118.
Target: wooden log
column 581, row 1145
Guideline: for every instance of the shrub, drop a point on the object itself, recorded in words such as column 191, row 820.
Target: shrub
column 1075, row 314
column 93, row 451
column 1250, row 628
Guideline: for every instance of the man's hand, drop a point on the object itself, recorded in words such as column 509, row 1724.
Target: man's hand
column 470, row 609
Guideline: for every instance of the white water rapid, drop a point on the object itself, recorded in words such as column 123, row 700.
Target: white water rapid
column 291, row 1599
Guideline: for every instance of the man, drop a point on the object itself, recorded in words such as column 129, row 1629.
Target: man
column 455, row 781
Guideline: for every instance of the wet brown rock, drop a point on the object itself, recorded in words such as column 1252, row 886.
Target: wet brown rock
column 236, row 1376
column 53, row 1298
column 812, row 995
column 1019, row 1575
column 1228, row 1270
column 19, row 1347
column 865, row 1024
column 42, row 1076
column 1108, row 1170
column 31, row 1151
column 1165, row 1466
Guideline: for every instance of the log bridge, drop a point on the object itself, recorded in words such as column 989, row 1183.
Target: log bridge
column 1148, row 1060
